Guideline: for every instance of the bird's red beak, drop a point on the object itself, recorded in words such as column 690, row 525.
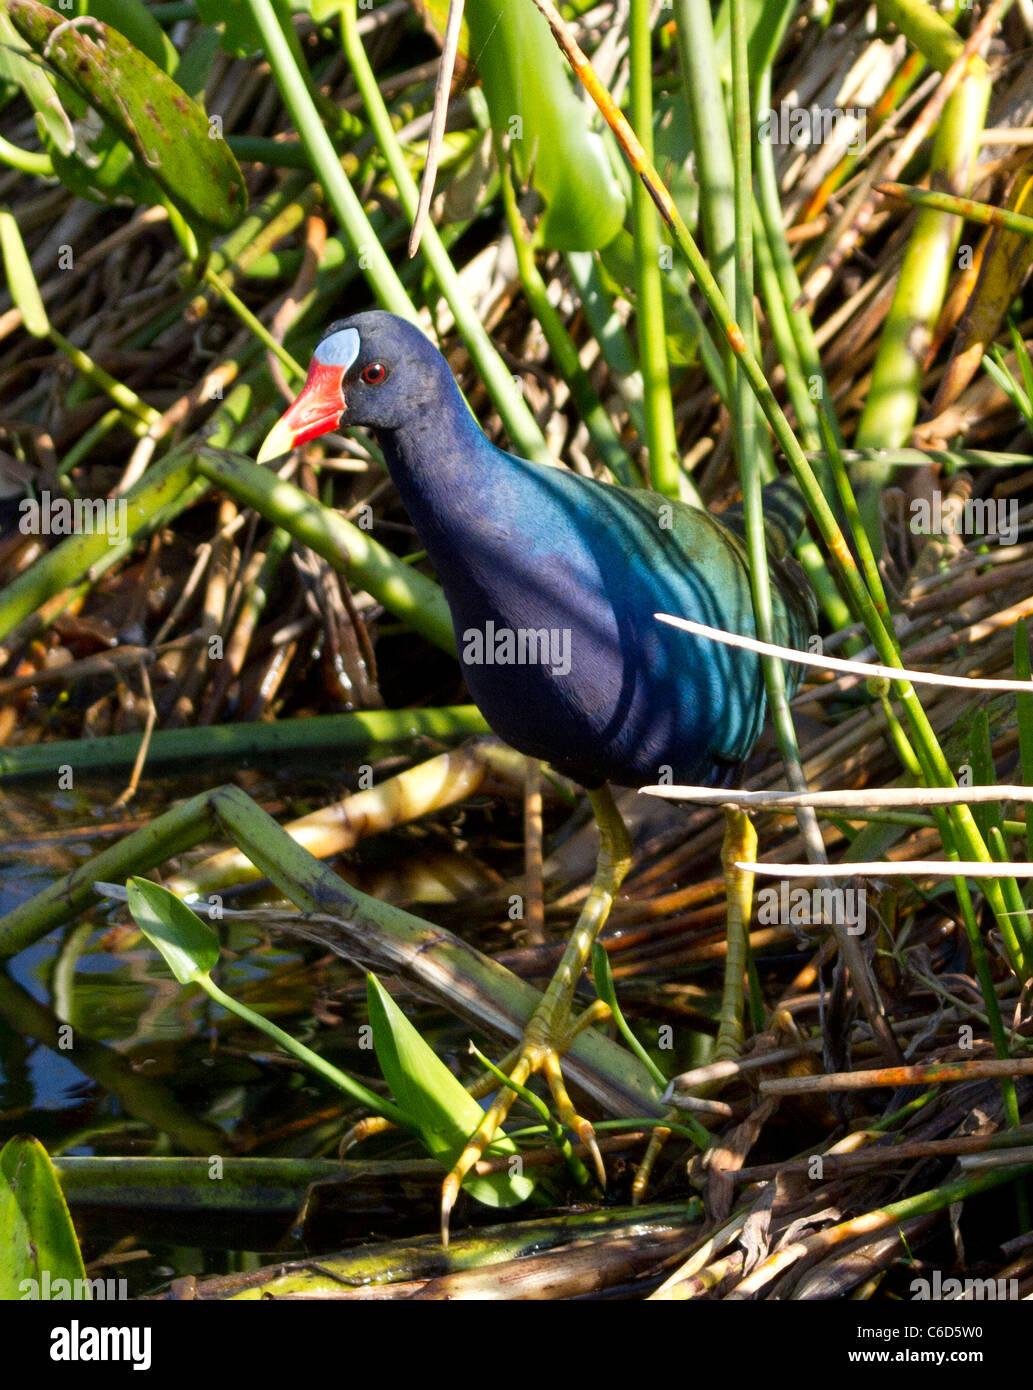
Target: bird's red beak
column 317, row 408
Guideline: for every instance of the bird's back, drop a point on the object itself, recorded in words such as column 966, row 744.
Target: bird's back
column 553, row 581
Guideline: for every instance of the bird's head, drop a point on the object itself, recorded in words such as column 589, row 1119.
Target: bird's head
column 371, row 369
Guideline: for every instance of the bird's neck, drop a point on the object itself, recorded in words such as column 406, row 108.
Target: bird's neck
column 448, row 474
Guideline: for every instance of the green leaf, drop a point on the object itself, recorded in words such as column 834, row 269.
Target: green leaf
column 239, row 34
column 86, row 154
column 39, row 1241
column 134, row 20
column 443, row 1113
column 20, row 66
column 189, row 945
column 602, row 976
column 1022, row 354
column 20, row 280
column 168, row 132
column 103, row 167
column 196, row 62
column 996, row 367
column 551, row 140
column 672, row 154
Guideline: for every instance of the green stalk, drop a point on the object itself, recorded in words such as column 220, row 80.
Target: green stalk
column 66, row 564
column 34, row 162
column 926, row 30
column 745, row 419
column 892, row 405
column 410, row 595
column 967, row 208
column 790, row 321
column 516, row 416
column 661, row 439
column 84, row 444
column 358, row 1092
column 256, row 326
column 609, row 332
column 561, row 346
column 331, row 734
column 708, row 121
column 781, row 331
column 807, row 427
column 326, row 164
column 174, row 1186
column 145, row 416
column 935, row 766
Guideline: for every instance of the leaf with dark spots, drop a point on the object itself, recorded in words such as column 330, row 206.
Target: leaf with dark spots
column 194, row 168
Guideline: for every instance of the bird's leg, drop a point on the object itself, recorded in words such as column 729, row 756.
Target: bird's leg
column 551, row 1029
column 739, row 844
column 483, row 1085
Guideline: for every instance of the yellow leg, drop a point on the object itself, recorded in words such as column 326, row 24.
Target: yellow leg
column 551, row 1028
column 740, row 843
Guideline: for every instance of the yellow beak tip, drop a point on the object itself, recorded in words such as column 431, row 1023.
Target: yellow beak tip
column 278, row 441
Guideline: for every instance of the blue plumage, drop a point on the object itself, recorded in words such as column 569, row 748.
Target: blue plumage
column 553, row 581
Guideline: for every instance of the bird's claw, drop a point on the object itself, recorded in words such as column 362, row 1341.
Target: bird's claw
column 536, row 1056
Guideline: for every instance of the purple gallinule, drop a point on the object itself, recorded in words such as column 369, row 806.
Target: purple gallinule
column 553, row 581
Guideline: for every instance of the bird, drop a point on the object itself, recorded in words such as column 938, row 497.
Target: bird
column 553, row 580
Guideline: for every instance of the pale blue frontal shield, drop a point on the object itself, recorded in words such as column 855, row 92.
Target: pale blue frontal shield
column 339, row 349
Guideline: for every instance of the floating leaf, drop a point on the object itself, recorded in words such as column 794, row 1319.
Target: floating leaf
column 169, row 132
column 39, row 1241
column 440, row 1109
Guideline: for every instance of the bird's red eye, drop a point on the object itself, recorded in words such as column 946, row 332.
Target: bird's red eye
column 374, row 374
